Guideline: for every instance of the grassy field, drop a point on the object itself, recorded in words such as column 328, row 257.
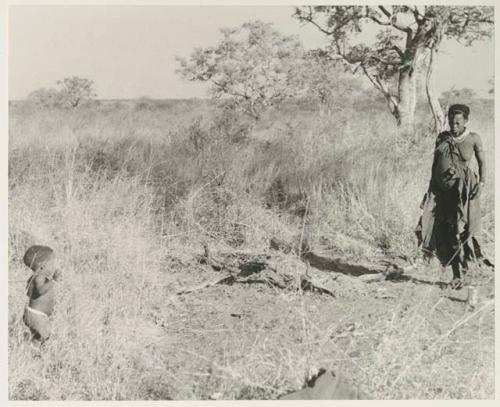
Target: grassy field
column 128, row 193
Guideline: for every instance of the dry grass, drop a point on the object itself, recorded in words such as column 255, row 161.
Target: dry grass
column 126, row 196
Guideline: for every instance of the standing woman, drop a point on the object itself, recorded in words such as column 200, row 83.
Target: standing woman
column 451, row 221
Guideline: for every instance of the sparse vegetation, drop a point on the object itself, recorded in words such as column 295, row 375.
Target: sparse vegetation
column 73, row 92
column 128, row 193
column 254, row 65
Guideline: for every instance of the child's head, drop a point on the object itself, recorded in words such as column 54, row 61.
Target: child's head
column 39, row 258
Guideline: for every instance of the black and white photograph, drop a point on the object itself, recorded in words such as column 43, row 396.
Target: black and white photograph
column 250, row 202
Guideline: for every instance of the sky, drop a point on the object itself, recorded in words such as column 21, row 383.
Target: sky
column 129, row 51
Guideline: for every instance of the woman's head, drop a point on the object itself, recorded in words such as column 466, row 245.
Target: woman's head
column 458, row 116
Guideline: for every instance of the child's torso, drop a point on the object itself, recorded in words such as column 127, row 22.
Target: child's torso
column 44, row 302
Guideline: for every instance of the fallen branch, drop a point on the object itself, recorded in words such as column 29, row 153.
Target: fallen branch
column 227, row 279
column 307, row 284
column 250, row 272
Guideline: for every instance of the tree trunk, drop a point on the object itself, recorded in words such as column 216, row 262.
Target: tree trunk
column 437, row 111
column 393, row 108
column 407, row 85
column 392, row 101
column 407, row 96
column 414, row 95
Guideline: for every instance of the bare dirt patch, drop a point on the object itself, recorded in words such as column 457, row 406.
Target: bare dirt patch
column 256, row 341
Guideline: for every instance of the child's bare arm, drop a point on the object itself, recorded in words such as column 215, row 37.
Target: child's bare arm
column 57, row 275
column 42, row 284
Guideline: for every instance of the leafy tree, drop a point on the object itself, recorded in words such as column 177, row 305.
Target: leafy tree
column 406, row 36
column 324, row 80
column 254, row 65
column 46, row 98
column 76, row 91
column 73, row 92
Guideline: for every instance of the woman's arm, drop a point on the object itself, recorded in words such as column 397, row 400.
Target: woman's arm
column 480, row 157
column 481, row 163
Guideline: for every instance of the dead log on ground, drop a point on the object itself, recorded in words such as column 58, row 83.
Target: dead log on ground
column 252, row 272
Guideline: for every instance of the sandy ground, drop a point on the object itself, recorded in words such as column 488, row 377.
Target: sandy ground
column 257, row 341
column 407, row 337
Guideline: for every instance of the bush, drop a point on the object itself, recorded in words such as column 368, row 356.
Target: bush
column 73, row 92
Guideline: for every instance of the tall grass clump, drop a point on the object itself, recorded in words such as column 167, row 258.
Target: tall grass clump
column 104, row 236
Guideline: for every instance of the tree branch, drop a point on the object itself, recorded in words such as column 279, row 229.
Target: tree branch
column 374, row 82
column 391, row 101
column 232, row 93
column 416, row 14
column 404, row 28
column 309, row 19
column 392, row 20
column 398, row 50
column 385, row 11
column 384, row 61
column 436, row 109
column 485, row 20
column 378, row 21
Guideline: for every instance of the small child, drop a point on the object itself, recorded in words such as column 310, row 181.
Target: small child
column 40, row 290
